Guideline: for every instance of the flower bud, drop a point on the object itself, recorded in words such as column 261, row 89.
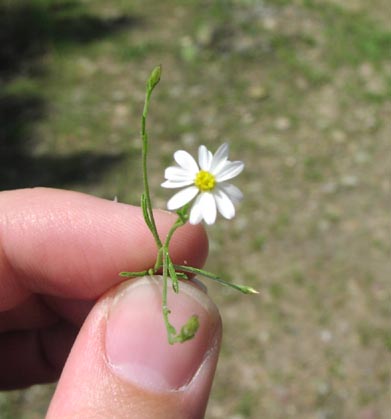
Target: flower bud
column 154, row 78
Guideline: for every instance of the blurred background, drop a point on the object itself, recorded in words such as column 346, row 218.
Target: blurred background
column 301, row 90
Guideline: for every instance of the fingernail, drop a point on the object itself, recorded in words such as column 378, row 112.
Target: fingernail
column 137, row 348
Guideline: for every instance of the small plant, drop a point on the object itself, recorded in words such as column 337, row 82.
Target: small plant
column 204, row 182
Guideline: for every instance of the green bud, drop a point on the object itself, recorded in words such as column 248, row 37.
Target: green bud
column 189, row 330
column 154, row 78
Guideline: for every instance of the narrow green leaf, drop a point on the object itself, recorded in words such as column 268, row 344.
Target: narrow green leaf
column 133, row 274
column 173, row 275
column 242, row 288
column 144, row 208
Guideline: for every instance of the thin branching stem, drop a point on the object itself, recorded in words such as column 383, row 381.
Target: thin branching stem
column 163, row 263
column 147, row 197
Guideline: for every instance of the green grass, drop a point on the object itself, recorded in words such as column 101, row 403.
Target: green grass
column 352, row 37
column 300, row 89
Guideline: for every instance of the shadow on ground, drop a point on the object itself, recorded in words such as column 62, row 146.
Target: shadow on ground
column 27, row 32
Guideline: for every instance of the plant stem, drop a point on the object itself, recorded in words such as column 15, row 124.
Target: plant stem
column 171, row 332
column 144, row 136
column 178, row 223
column 170, row 271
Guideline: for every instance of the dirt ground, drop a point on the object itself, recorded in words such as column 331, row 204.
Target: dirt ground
column 301, row 90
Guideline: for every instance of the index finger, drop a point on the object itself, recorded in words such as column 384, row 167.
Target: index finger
column 73, row 245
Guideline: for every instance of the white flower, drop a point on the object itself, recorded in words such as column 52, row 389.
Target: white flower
column 207, row 181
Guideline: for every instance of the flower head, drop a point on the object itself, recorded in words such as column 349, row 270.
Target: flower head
column 206, row 181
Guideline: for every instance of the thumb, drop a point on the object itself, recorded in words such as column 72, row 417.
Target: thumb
column 121, row 365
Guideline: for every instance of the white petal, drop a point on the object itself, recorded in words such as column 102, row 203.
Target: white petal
column 176, row 174
column 205, row 158
column 181, row 198
column 222, row 152
column 234, row 193
column 208, row 207
column 170, row 184
column 229, row 170
column 224, row 205
column 219, row 158
column 196, row 212
column 186, row 161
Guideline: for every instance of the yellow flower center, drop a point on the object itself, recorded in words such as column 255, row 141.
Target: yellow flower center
column 205, row 181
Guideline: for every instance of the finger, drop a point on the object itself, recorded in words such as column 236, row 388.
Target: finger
column 34, row 356
column 30, row 314
column 40, row 311
column 122, row 365
column 36, row 338
column 73, row 245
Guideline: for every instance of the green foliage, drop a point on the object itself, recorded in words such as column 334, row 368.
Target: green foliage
column 352, row 37
column 71, row 89
column 246, row 405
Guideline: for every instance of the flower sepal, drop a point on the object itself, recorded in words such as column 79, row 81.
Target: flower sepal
column 183, row 213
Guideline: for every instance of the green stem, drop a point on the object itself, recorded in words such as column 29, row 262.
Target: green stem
column 159, row 260
column 152, row 82
column 178, row 223
column 163, row 259
column 171, row 332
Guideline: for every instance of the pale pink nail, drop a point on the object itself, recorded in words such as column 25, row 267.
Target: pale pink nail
column 136, row 339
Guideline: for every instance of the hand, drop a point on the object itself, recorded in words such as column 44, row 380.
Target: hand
column 59, row 252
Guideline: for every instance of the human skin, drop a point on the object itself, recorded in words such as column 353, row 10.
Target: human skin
column 60, row 255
